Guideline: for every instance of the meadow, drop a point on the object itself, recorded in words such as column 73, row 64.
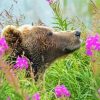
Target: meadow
column 79, row 72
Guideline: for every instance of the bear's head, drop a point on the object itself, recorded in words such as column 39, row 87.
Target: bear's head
column 40, row 43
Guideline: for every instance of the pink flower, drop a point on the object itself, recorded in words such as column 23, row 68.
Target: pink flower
column 36, row 96
column 99, row 91
column 3, row 45
column 61, row 90
column 89, row 52
column 21, row 62
column 50, row 1
column 27, row 98
column 8, row 98
column 92, row 43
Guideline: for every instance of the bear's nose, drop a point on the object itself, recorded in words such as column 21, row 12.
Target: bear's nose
column 77, row 33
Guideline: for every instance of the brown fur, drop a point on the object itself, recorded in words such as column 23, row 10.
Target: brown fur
column 40, row 44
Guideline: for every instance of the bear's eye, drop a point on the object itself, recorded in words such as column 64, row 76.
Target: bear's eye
column 49, row 33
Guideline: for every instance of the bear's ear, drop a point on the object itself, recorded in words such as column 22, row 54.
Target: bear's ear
column 12, row 35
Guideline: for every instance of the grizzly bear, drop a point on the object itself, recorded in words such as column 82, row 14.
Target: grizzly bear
column 40, row 44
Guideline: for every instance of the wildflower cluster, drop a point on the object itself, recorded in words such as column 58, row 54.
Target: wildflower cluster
column 36, row 96
column 50, row 1
column 3, row 46
column 8, row 98
column 21, row 62
column 61, row 90
column 92, row 44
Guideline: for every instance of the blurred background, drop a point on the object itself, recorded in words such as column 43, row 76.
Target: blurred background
column 77, row 12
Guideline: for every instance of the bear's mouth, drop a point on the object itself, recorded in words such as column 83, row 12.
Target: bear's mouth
column 67, row 50
column 70, row 49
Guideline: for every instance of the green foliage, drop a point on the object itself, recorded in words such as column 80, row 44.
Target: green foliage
column 8, row 91
column 74, row 72
column 60, row 22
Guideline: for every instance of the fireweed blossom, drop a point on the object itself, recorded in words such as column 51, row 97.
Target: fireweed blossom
column 92, row 44
column 3, row 45
column 61, row 90
column 21, row 62
column 50, row 1
column 27, row 98
column 36, row 96
column 8, row 98
column 99, row 91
